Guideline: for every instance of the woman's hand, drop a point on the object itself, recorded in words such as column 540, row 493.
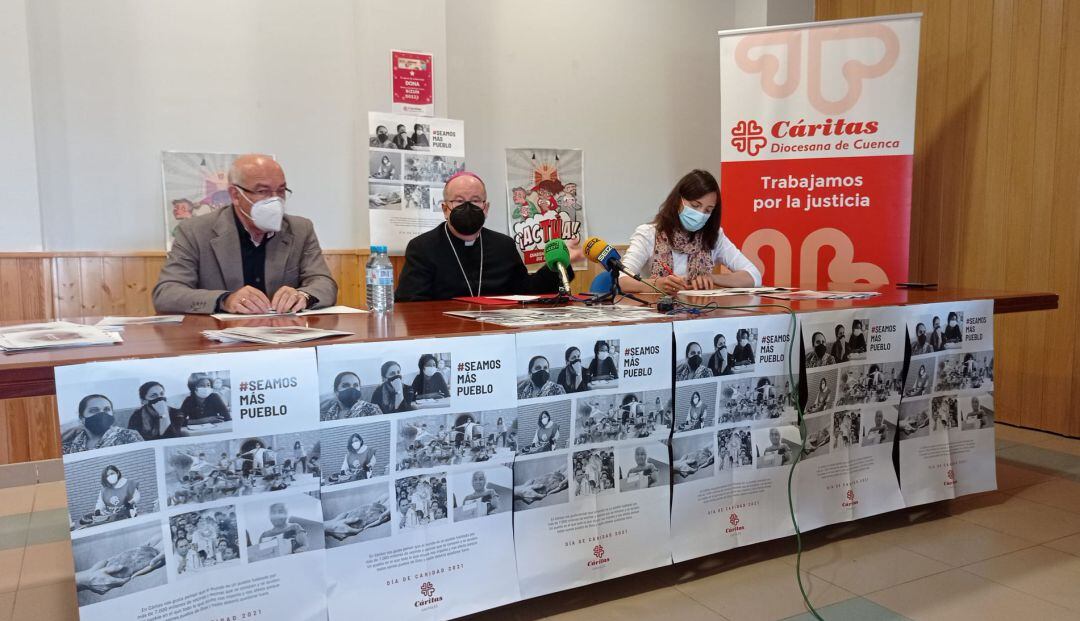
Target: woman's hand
column 670, row 284
column 701, row 282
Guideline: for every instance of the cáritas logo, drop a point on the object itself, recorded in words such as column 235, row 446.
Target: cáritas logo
column 851, row 501
column 598, row 551
column 950, row 478
column 427, row 590
column 734, row 520
column 748, row 137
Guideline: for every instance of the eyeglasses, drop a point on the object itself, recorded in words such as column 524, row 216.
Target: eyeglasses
column 461, row 201
column 263, row 193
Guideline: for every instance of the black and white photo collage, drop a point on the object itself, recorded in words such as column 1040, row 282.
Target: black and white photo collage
column 177, row 468
column 410, row 160
column 734, row 397
column 414, row 433
column 949, row 398
column 594, row 415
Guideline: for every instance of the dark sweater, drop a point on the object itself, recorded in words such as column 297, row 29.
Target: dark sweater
column 432, row 273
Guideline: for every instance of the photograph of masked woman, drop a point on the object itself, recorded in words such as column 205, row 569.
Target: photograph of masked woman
column 393, row 395
column 346, row 401
column 574, row 377
column 155, row 418
column 430, row 384
column 202, row 405
column 602, row 366
column 682, row 245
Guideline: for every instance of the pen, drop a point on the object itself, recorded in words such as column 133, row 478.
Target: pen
column 670, row 271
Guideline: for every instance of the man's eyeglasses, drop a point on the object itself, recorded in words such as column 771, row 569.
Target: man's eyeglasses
column 263, row 193
column 461, row 201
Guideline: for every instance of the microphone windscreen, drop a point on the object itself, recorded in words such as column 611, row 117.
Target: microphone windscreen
column 600, row 251
column 556, row 252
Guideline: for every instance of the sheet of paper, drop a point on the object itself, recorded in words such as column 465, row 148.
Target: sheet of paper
column 733, row 291
column 117, row 322
column 329, row 310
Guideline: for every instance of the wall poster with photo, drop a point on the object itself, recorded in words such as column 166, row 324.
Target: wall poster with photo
column 545, row 190
column 946, row 423
column 418, row 443
column 193, row 184
column 410, row 159
column 735, row 434
column 854, row 377
column 183, row 472
column 591, row 478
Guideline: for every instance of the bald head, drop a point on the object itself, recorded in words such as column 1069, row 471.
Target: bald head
column 253, row 166
column 464, row 187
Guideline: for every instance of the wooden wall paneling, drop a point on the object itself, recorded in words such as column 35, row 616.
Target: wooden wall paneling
column 66, row 277
column 10, row 289
column 17, row 431
column 113, row 300
column 352, row 283
column 1062, row 337
column 36, row 276
column 43, row 436
column 92, row 290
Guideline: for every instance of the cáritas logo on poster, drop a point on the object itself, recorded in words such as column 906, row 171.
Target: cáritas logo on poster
column 851, row 500
column 598, row 551
column 748, row 136
column 427, row 590
column 734, row 520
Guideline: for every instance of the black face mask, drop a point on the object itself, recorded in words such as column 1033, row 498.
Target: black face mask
column 348, row 396
column 467, row 218
column 540, row 377
column 98, row 423
column 819, row 350
column 694, row 361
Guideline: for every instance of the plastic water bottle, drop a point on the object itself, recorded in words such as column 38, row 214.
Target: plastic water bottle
column 380, row 281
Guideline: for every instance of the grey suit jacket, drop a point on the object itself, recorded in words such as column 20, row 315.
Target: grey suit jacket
column 205, row 263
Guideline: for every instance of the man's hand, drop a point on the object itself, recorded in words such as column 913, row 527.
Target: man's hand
column 288, row 300
column 100, row 578
column 528, row 493
column 247, row 301
column 576, row 254
column 671, row 284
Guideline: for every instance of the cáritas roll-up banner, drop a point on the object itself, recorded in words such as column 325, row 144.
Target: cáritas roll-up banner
column 818, row 134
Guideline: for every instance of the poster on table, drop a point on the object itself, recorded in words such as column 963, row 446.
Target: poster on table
column 816, row 159
column 946, row 424
column 418, row 441
column 193, row 486
column 412, row 85
column 735, row 434
column 545, row 199
column 193, row 184
column 854, row 379
column 591, row 478
column 410, row 159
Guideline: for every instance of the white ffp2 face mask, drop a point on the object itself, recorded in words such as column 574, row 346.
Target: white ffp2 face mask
column 268, row 213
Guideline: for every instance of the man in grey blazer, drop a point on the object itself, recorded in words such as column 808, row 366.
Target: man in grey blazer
column 248, row 258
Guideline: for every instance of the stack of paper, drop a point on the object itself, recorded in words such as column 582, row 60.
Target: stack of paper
column 32, row 336
column 118, row 323
column 718, row 293
column 525, row 317
column 823, row 295
column 271, row 335
column 329, row 310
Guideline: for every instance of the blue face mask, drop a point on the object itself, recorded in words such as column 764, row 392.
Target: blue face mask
column 692, row 219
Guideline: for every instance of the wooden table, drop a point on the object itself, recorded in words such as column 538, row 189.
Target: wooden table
column 30, row 374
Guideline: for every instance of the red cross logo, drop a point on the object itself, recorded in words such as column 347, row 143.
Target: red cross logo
column 598, row 551
column 748, row 137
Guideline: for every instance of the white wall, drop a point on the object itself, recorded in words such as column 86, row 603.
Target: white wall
column 94, row 91
column 19, row 204
column 632, row 82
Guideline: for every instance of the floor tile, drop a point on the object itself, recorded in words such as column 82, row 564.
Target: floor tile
column 47, row 564
column 7, row 605
column 856, row 609
column 1070, row 544
column 660, row 605
column 10, row 567
column 1061, row 445
column 865, row 564
column 1011, row 475
column 1018, row 517
column 954, row 541
column 14, row 500
column 1021, row 435
column 762, row 591
column 50, row 496
column 1058, row 493
column 1048, row 574
column 50, row 470
column 1054, row 462
column 49, row 526
column 55, row 602
column 957, row 594
column 14, row 530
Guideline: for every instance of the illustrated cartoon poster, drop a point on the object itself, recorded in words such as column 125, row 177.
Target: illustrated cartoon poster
column 410, row 159
column 545, row 199
column 193, row 486
column 418, row 440
column 818, row 141
column 854, row 378
column 736, row 436
column 194, row 184
column 946, row 421
column 591, row 478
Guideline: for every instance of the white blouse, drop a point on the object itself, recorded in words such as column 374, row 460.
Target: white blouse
column 638, row 257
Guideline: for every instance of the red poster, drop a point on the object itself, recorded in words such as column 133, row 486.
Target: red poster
column 413, row 89
column 816, row 161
